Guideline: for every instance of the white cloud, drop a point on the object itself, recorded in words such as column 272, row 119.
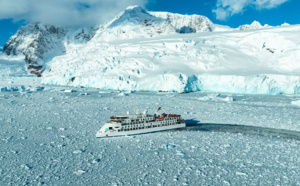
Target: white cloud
column 221, row 14
column 226, row 8
column 65, row 12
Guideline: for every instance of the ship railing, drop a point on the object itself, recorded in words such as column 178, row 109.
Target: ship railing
column 114, row 122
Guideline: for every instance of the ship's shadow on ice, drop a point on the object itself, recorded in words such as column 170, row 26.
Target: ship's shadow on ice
column 194, row 125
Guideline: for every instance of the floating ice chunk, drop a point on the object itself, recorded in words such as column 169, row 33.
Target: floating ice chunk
column 52, row 99
column 241, row 174
column 96, row 161
column 179, row 153
column 84, row 94
column 48, row 88
column 40, row 88
column 227, row 99
column 34, row 89
column 21, row 88
column 61, row 145
column 122, row 94
column 79, row 172
column 52, row 90
column 129, row 92
column 167, row 147
column 71, row 90
column 12, row 88
column 215, row 97
column 160, row 170
column 296, row 103
column 26, row 167
column 77, row 151
column 226, row 182
column 3, row 89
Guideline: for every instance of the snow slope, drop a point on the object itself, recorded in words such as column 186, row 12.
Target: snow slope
column 264, row 61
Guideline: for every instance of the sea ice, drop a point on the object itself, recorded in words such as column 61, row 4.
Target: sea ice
column 220, row 144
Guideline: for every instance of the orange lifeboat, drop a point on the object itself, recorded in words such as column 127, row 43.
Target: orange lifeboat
column 161, row 118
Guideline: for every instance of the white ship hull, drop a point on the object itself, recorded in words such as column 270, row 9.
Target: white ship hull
column 139, row 131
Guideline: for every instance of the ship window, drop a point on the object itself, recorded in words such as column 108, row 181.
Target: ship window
column 110, row 128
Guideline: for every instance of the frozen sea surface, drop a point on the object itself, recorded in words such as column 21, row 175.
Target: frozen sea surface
column 48, row 137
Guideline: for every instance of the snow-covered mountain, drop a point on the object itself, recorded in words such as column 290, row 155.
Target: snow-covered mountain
column 186, row 23
column 253, row 26
column 39, row 42
column 159, row 51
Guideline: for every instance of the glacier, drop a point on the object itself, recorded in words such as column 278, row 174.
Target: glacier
column 249, row 62
column 159, row 51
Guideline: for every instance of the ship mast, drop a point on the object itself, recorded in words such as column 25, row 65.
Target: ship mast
column 159, row 108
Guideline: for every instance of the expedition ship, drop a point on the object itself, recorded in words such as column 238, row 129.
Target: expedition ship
column 140, row 123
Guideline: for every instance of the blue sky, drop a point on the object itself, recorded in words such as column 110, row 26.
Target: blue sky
column 14, row 13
